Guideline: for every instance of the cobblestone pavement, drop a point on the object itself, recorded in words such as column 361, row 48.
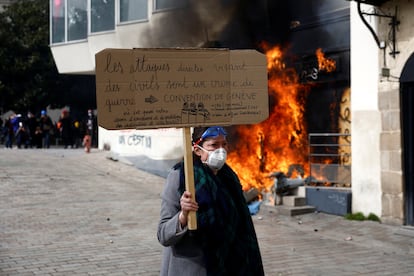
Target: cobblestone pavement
column 65, row 212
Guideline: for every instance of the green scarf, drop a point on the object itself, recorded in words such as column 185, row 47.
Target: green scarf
column 224, row 226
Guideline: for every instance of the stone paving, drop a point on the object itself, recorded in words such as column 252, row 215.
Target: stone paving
column 65, row 212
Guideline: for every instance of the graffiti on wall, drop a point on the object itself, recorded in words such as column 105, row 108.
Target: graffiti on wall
column 135, row 140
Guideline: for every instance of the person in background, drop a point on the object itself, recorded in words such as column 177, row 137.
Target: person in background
column 87, row 143
column 37, row 138
column 31, row 123
column 15, row 122
column 77, row 128
column 8, row 125
column 225, row 241
column 22, row 135
column 66, row 128
column 91, row 128
column 89, row 134
column 46, row 126
column 3, row 131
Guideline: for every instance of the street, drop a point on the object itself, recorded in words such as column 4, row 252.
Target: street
column 65, row 212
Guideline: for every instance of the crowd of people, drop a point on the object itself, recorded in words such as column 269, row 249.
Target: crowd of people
column 32, row 131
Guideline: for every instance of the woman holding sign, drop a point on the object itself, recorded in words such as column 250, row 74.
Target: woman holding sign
column 225, row 241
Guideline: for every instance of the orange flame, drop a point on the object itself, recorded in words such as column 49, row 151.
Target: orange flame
column 279, row 141
column 325, row 64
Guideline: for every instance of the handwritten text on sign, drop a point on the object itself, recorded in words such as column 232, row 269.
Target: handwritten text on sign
column 153, row 88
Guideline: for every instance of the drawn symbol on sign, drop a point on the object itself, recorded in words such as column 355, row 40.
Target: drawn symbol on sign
column 151, row 99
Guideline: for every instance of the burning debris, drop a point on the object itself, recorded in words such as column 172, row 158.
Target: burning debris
column 284, row 184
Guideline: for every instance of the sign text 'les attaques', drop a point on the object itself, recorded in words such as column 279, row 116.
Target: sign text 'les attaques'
column 157, row 88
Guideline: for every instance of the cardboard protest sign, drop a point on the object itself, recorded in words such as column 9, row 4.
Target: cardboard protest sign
column 157, row 88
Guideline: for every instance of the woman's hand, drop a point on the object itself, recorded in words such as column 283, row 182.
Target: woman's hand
column 187, row 205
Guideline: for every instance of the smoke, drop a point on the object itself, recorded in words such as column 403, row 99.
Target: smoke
column 226, row 23
column 194, row 26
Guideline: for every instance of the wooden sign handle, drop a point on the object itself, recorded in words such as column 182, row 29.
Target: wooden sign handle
column 189, row 175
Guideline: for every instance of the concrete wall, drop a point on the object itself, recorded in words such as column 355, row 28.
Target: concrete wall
column 366, row 119
column 156, row 144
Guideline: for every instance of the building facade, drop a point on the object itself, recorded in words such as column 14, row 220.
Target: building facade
column 380, row 78
column 382, row 75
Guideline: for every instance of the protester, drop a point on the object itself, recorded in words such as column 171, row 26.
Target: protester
column 87, row 143
column 91, row 128
column 22, row 135
column 8, row 126
column 89, row 135
column 47, row 128
column 3, row 131
column 76, row 133
column 32, row 124
column 37, row 138
column 18, row 129
column 225, row 241
column 66, row 128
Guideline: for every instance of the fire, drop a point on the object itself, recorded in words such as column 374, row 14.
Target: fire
column 281, row 140
column 325, row 64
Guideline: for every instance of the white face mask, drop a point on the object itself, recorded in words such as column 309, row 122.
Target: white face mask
column 216, row 158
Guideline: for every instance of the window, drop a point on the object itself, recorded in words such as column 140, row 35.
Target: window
column 77, row 20
column 169, row 4
column 70, row 20
column 58, row 21
column 102, row 15
column 133, row 10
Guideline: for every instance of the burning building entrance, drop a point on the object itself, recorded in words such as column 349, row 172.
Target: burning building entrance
column 283, row 142
column 309, row 95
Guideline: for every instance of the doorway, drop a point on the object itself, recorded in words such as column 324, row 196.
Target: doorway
column 407, row 129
